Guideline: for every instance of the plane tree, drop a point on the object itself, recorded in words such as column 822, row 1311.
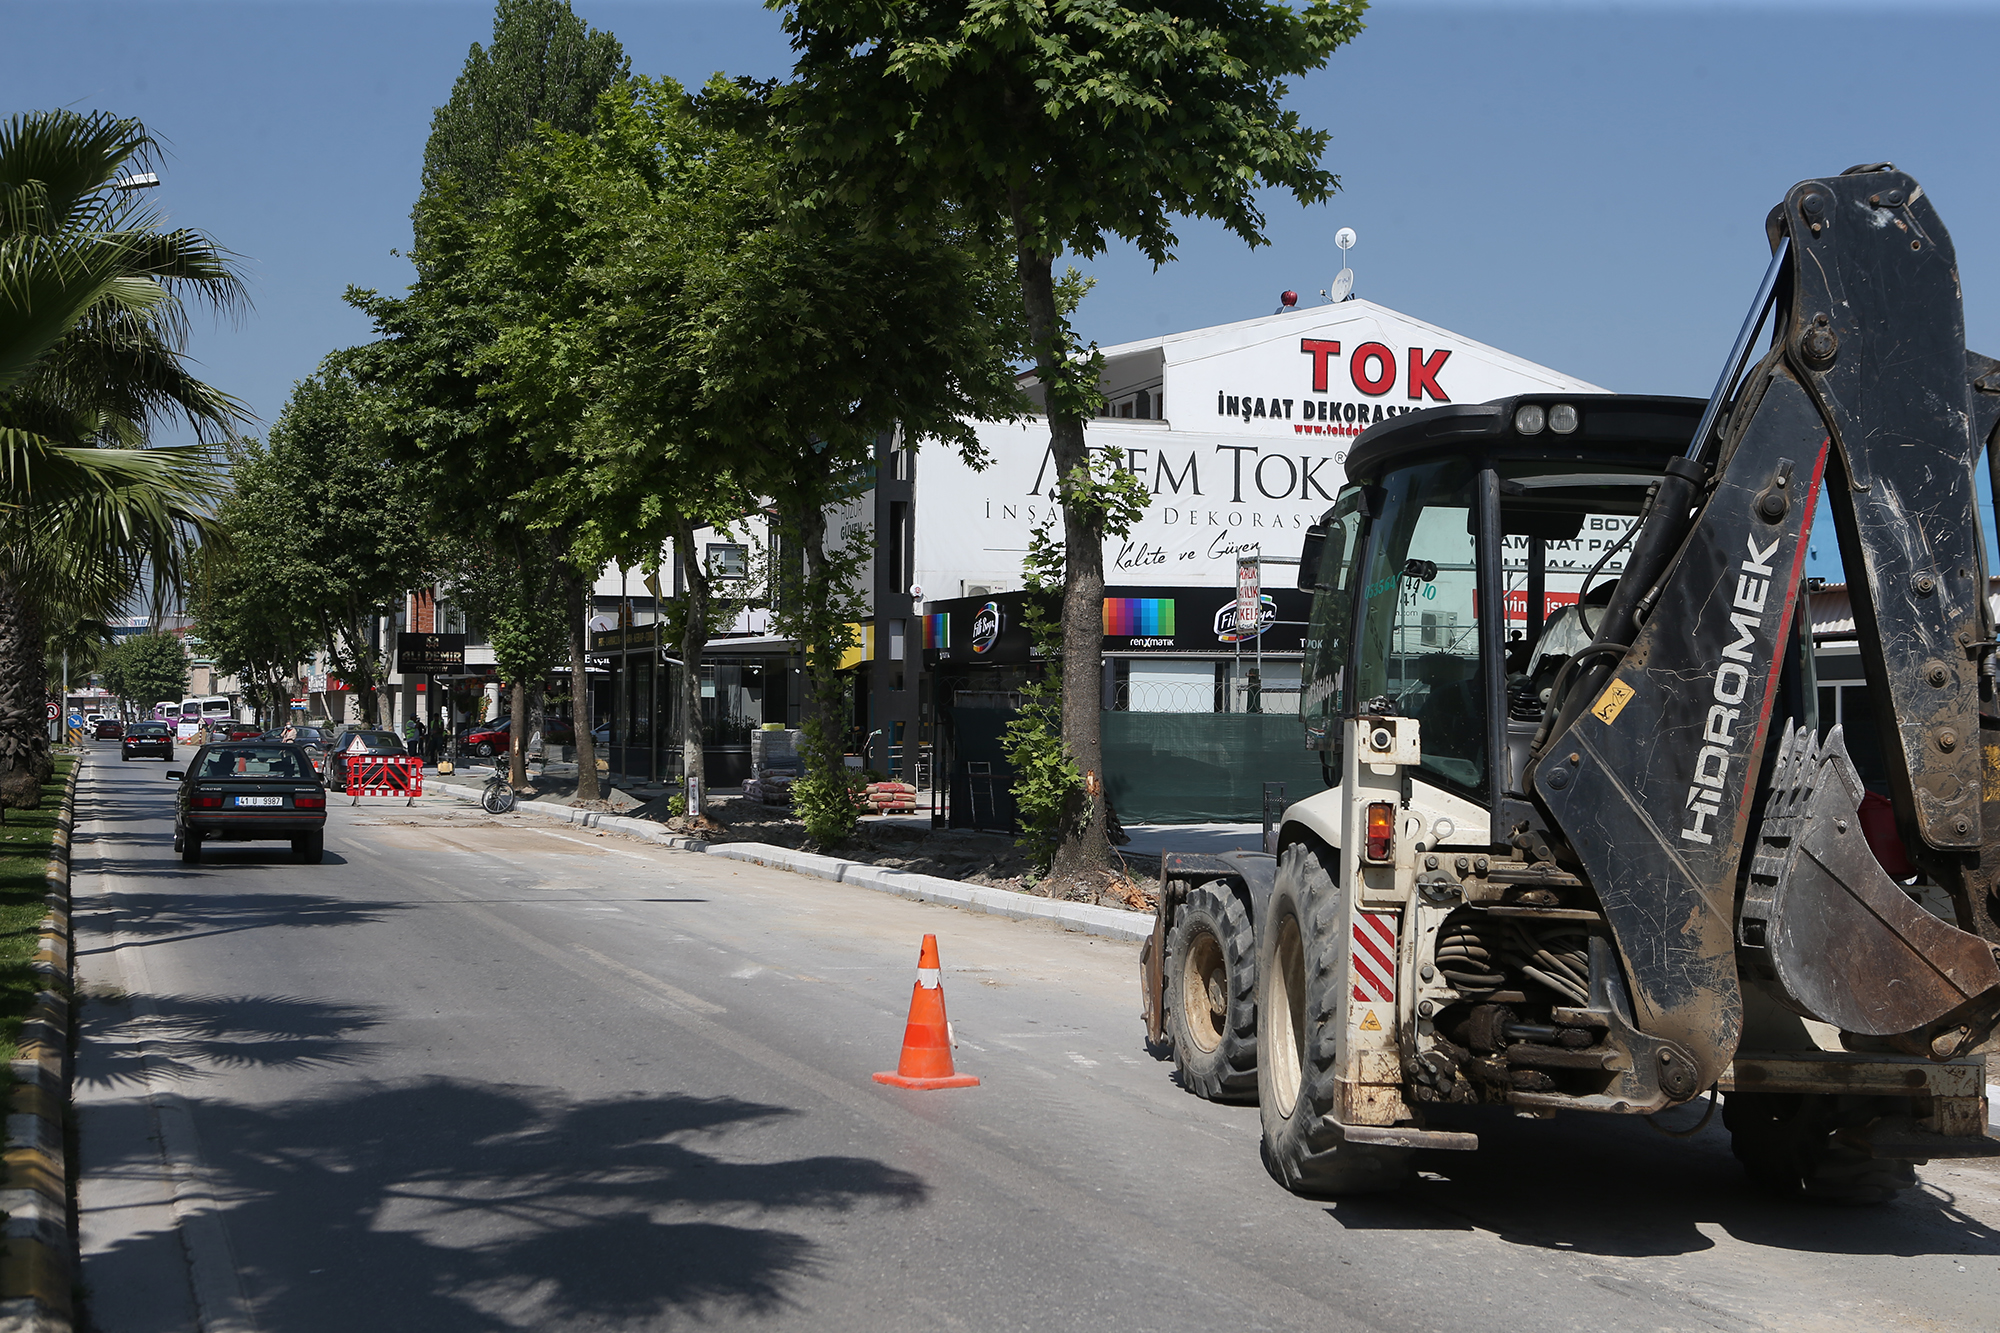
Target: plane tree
column 1055, row 128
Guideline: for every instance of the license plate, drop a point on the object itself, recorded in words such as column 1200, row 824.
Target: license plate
column 260, row 800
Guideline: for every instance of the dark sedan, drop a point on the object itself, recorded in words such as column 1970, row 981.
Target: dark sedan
column 358, row 743
column 143, row 739
column 250, row 792
column 108, row 729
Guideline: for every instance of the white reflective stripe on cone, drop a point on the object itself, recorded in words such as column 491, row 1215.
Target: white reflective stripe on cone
column 927, row 977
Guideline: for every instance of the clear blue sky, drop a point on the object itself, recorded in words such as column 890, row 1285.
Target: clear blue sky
column 1583, row 185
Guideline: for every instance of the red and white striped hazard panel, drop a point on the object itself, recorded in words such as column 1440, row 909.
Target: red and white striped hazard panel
column 1374, row 957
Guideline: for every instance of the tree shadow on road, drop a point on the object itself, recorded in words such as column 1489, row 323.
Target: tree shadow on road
column 442, row 1205
column 191, row 1037
column 150, row 918
column 1610, row 1185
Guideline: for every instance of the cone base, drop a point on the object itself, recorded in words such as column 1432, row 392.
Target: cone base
column 949, row 1081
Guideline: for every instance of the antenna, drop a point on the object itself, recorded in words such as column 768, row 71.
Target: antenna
column 1343, row 281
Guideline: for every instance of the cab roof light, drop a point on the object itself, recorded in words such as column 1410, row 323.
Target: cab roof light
column 1562, row 419
column 1529, row 419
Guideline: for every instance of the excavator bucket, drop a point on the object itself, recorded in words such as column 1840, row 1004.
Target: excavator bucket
column 1822, row 918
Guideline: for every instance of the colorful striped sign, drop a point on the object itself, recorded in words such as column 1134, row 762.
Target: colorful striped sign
column 1373, row 958
column 1146, row 617
column 937, row 630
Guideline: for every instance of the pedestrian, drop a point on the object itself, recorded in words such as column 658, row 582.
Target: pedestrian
column 420, row 739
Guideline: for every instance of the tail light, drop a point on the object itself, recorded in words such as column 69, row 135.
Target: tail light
column 207, row 802
column 1381, row 830
column 309, row 802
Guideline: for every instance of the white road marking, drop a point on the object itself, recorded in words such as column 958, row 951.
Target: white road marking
column 661, row 988
column 564, row 837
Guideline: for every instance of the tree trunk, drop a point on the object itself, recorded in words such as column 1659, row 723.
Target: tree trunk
column 694, row 636
column 1086, row 844
column 517, row 736
column 25, row 758
column 578, row 593
column 820, row 665
column 357, row 671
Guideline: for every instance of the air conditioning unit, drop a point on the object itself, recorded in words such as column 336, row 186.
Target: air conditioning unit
column 978, row 589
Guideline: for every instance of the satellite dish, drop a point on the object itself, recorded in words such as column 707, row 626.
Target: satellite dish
column 1343, row 285
column 1344, row 238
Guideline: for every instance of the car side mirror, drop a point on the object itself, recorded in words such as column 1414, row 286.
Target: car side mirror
column 176, row 776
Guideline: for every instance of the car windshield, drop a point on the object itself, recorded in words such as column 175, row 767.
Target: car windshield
column 372, row 742
column 259, row 761
column 149, row 729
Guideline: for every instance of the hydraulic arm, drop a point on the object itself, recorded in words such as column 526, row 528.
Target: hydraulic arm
column 1657, row 763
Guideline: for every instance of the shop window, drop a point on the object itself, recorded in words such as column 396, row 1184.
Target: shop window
column 728, row 560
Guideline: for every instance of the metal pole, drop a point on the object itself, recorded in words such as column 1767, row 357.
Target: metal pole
column 1760, row 306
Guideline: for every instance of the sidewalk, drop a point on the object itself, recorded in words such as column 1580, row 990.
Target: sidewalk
column 1108, row 922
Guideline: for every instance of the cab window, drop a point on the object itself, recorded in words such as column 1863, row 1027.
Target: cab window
column 1420, row 642
column 1324, row 696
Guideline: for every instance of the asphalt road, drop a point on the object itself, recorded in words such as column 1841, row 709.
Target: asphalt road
column 480, row 1074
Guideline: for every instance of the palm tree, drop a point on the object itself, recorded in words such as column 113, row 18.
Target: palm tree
column 93, row 323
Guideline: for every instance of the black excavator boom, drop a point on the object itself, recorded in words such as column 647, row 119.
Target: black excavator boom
column 1657, row 761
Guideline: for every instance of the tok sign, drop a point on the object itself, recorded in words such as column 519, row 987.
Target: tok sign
column 1249, row 592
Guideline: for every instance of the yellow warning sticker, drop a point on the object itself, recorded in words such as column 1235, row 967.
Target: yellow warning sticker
column 1369, row 1023
column 1616, row 695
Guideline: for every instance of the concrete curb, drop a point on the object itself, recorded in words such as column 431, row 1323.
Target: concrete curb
column 1108, row 922
column 35, row 1267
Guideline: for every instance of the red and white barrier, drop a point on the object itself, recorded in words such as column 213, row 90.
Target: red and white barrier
column 385, row 775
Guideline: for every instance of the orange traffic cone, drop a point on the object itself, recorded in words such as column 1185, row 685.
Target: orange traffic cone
column 926, row 1061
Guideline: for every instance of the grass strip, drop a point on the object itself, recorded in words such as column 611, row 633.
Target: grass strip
column 27, row 839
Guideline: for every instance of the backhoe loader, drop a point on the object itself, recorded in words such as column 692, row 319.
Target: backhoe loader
column 1587, row 842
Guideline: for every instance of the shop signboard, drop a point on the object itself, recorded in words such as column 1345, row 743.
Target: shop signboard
column 1248, row 589
column 1187, row 621
column 625, row 639
column 430, row 654
column 1247, row 449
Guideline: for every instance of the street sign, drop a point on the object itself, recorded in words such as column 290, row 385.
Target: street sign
column 1249, row 592
column 54, row 712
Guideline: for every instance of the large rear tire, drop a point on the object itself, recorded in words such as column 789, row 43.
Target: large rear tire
column 1302, row 965
column 190, row 848
column 309, row 848
column 1785, row 1143
column 1211, row 972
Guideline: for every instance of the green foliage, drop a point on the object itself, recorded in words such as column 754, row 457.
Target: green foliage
column 326, row 531
column 820, row 604
column 1049, row 795
column 146, row 669
column 1074, row 121
column 1053, row 126
column 1049, row 792
column 545, row 67
column 92, row 335
column 27, row 841
column 676, row 806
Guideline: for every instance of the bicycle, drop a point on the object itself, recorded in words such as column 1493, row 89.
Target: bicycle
column 498, row 796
